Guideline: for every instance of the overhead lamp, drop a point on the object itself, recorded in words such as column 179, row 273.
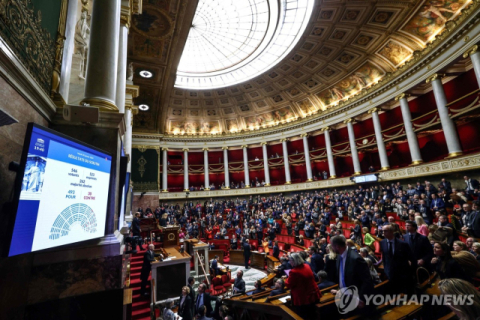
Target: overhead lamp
column 143, row 107
column 146, row 74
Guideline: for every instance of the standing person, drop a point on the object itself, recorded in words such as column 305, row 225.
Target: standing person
column 246, row 253
column 239, row 284
column 421, row 248
column 148, row 258
column 352, row 270
column 185, row 304
column 398, row 261
column 203, row 299
column 276, row 250
column 191, row 282
column 303, row 288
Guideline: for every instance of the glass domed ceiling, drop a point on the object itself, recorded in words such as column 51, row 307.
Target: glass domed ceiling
column 232, row 41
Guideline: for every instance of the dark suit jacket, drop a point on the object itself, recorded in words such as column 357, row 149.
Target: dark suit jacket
column 136, row 226
column 246, row 250
column 316, row 261
column 192, row 298
column 258, row 290
column 325, row 284
column 397, row 267
column 239, row 285
column 148, row 258
column 215, row 267
column 185, row 309
column 276, row 292
column 421, row 249
column 207, row 301
column 276, row 251
column 356, row 273
column 475, row 224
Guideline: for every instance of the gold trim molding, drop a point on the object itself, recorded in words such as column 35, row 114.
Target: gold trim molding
column 434, row 77
column 401, row 96
column 470, row 51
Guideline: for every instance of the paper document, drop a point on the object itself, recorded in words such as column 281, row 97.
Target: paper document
column 284, row 299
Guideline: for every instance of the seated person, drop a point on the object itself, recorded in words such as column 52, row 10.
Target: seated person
column 279, row 288
column 215, row 267
column 285, row 265
column 324, row 282
column 258, row 287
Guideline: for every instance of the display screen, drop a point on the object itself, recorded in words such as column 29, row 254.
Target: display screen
column 64, row 193
column 366, row 178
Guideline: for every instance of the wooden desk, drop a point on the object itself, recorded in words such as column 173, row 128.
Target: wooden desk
column 257, row 260
column 236, row 257
column 272, row 263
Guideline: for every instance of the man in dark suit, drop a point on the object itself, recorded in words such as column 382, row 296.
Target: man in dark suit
column 276, row 250
column 203, row 299
column 258, row 287
column 279, row 288
column 277, row 227
column 246, row 253
column 239, row 284
column 470, row 185
column 215, row 266
column 445, row 185
column 316, row 259
column 421, row 248
column 148, row 258
column 136, row 225
column 472, row 220
column 324, row 282
column 398, row 262
column 352, row 270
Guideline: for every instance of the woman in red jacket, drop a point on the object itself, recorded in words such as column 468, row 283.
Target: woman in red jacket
column 303, row 289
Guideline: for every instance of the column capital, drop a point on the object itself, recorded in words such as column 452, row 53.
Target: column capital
column 402, row 96
column 244, row 146
column 185, row 149
column 470, row 51
column 133, row 108
column 325, row 129
column 434, row 77
column 348, row 121
column 224, row 148
column 164, row 149
column 125, row 16
column 283, row 139
column 304, row 135
column 205, row 149
column 133, row 90
column 373, row 110
column 263, row 143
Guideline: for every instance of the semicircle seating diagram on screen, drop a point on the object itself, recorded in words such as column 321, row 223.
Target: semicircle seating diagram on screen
column 76, row 213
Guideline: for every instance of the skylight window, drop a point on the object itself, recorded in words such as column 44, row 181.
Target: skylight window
column 232, row 41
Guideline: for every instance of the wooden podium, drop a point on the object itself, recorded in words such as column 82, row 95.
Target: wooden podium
column 170, row 236
column 199, row 251
column 171, row 274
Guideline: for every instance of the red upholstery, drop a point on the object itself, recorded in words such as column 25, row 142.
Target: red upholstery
column 226, row 281
column 217, row 286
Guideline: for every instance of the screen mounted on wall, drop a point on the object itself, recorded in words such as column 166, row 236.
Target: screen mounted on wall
column 64, row 192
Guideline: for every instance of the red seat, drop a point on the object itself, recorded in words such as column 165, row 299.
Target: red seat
column 217, row 286
column 226, row 281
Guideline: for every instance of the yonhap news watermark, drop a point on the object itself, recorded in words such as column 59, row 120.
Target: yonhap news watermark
column 347, row 299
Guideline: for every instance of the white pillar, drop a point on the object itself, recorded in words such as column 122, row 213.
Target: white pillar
column 101, row 77
column 475, row 57
column 307, row 157
column 353, row 147
column 122, row 59
column 68, row 48
column 164, row 170
column 185, row 170
column 411, row 135
column 382, row 151
column 225, row 164
column 288, row 179
column 245, row 166
column 205, row 166
column 448, row 126
column 266, row 168
column 328, row 147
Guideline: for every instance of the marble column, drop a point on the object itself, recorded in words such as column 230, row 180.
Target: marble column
column 288, row 178
column 328, row 147
column 382, row 151
column 122, row 58
column 101, row 77
column 164, row 170
column 411, row 135
column 266, row 168
column 353, row 147
column 245, row 166
column 131, row 92
column 185, row 170
column 306, row 152
column 475, row 57
column 448, row 126
column 205, row 166
column 225, row 164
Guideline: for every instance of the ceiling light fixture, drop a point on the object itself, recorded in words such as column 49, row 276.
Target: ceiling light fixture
column 143, row 107
column 146, row 74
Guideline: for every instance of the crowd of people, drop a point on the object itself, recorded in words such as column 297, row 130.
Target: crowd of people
column 433, row 218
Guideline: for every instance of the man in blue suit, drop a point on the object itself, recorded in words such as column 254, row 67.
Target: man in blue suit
column 316, row 259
